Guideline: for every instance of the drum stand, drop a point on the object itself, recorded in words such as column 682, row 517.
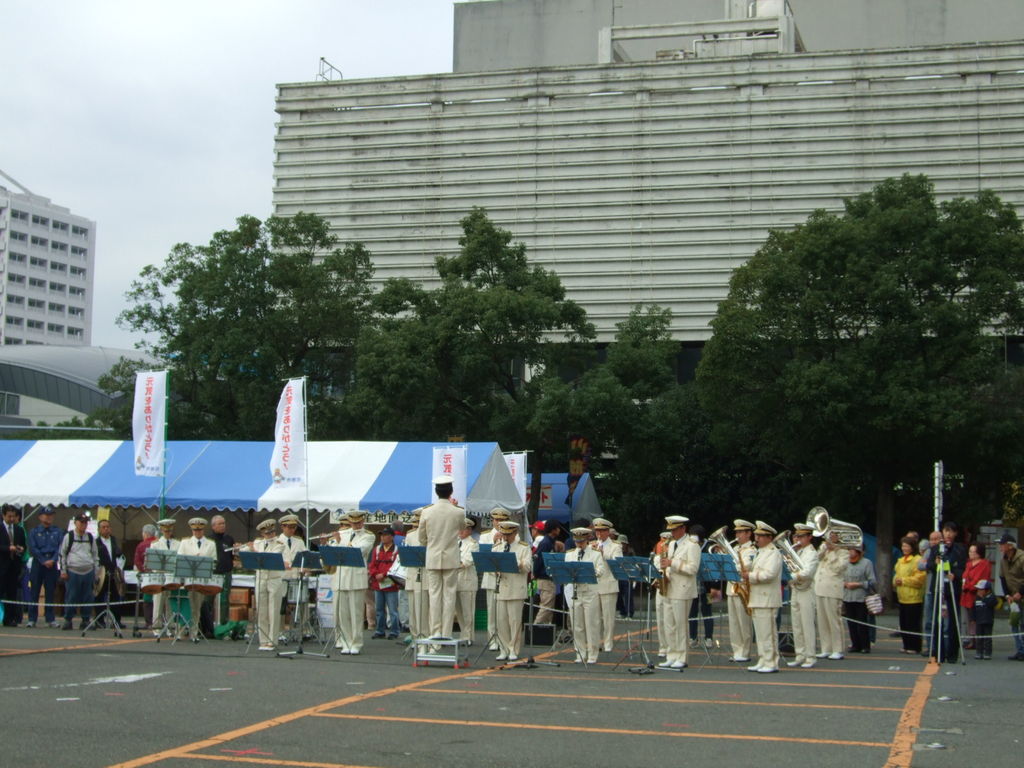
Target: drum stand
column 299, row 620
column 176, row 618
column 106, row 612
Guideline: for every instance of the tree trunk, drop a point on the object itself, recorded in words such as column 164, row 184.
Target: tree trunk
column 532, row 511
column 885, row 505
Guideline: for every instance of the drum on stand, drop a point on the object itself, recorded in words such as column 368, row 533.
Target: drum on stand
column 211, row 586
column 152, row 583
column 295, row 591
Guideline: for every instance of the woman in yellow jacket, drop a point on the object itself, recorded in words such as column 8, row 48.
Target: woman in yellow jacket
column 909, row 584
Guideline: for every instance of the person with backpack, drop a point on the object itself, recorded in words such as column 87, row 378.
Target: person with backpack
column 79, row 560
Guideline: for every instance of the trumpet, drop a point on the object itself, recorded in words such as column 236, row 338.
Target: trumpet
column 742, row 587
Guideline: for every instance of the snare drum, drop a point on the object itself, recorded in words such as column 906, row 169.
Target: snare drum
column 151, row 583
column 211, row 586
column 295, row 594
column 172, row 582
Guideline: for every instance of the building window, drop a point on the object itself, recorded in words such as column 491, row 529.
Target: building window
column 76, row 312
column 42, row 220
column 12, row 299
column 58, row 287
column 54, row 327
column 19, row 215
column 73, row 291
column 77, row 230
column 15, row 256
column 35, row 282
column 35, row 261
column 76, row 332
column 11, row 340
column 78, row 271
column 36, row 304
column 55, row 307
column 20, row 236
column 40, row 241
column 13, row 278
column 60, row 226
column 55, row 246
column 14, row 320
column 36, row 325
column 78, row 251
column 56, row 266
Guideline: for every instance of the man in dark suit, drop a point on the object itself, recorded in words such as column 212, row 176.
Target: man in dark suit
column 109, row 551
column 12, row 547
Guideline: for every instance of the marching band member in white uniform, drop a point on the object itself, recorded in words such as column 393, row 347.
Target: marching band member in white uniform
column 510, row 592
column 349, row 585
column 197, row 546
column 465, row 606
column 585, row 606
column 270, row 588
column 419, row 618
column 498, row 515
column 161, row 600
column 741, row 630
column 607, row 585
column 765, row 575
column 802, row 599
column 828, row 592
column 680, row 564
column 291, row 546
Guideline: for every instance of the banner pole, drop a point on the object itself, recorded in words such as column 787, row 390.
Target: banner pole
column 305, row 452
column 163, row 469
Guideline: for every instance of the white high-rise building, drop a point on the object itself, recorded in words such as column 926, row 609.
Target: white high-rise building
column 47, row 256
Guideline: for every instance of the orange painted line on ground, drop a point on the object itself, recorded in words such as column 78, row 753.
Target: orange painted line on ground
column 605, row 731
column 838, row 670
column 187, row 750
column 104, row 644
column 757, row 681
column 660, row 700
column 268, row 761
column 902, row 751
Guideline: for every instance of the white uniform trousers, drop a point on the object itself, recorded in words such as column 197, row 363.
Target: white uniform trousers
column 195, row 605
column 442, row 586
column 767, row 636
column 587, row 630
column 659, row 617
column 677, row 616
column 419, row 615
column 509, row 621
column 161, row 609
column 830, row 624
column 348, row 619
column 608, row 620
column 268, row 608
column 465, row 613
column 801, row 611
column 741, row 632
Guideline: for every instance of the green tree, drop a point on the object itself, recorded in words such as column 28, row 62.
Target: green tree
column 473, row 356
column 260, row 303
column 859, row 348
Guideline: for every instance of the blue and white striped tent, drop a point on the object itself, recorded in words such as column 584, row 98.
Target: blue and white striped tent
column 376, row 476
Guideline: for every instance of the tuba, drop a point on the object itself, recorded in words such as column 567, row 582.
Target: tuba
column 789, row 555
column 719, row 539
column 848, row 534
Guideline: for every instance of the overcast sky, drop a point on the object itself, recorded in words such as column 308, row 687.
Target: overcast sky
column 156, row 119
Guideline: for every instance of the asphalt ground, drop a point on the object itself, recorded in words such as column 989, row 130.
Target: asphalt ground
column 69, row 700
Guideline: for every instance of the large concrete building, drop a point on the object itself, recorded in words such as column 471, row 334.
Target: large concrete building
column 643, row 150
column 47, row 255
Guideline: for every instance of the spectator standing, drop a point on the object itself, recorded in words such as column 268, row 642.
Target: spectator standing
column 984, row 617
column 385, row 589
column 224, row 542
column 44, row 545
column 859, row 583
column 909, row 582
column 149, row 534
column 545, row 585
column 12, row 546
column 78, row 562
column 978, row 569
column 109, row 552
column 1012, row 575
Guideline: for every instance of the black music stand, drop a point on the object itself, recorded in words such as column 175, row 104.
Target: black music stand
column 192, row 568
column 626, row 569
column 259, row 561
column 339, row 557
column 496, row 562
column 649, row 574
column 569, row 572
column 163, row 560
column 305, row 561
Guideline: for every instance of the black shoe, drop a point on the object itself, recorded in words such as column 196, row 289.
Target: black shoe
column 66, row 626
column 864, row 650
column 392, row 637
column 1016, row 657
column 376, row 636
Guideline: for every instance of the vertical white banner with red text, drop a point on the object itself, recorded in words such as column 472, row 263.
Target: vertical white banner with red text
column 516, row 463
column 148, row 422
column 451, row 460
column 288, row 462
